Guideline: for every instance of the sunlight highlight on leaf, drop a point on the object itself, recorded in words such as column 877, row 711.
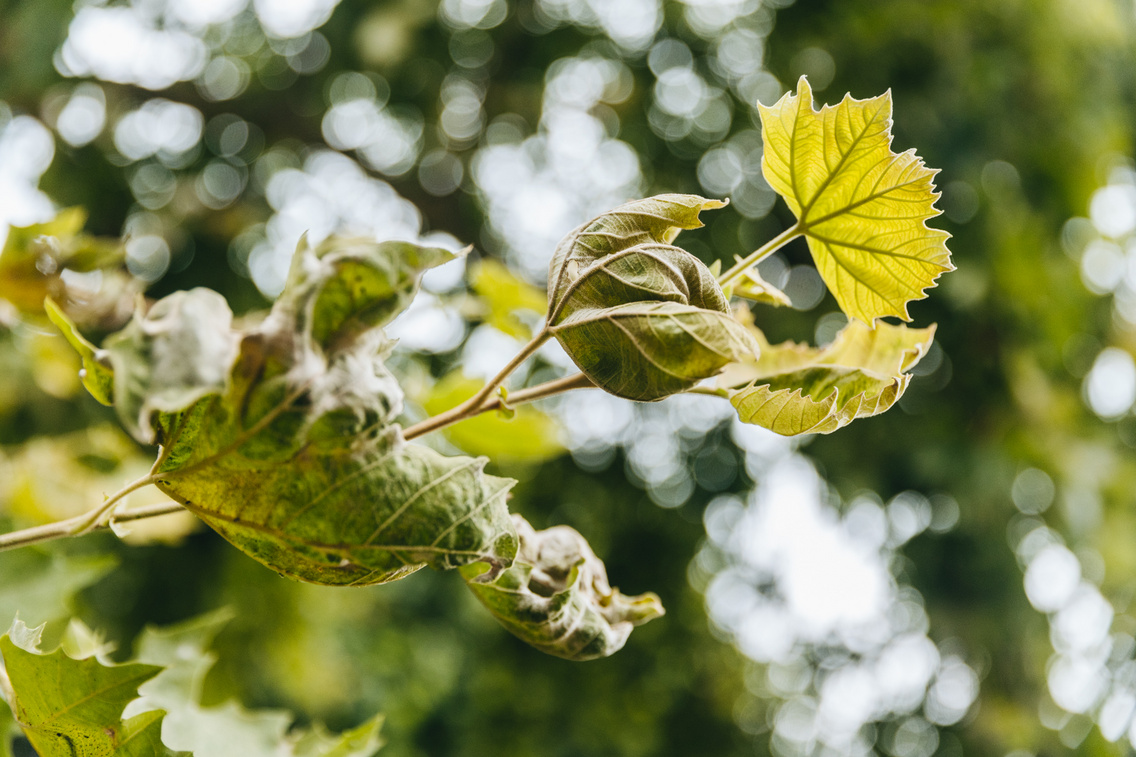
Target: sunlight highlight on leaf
column 862, row 207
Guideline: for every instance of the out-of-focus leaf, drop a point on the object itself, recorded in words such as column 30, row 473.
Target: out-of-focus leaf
column 165, row 360
column 38, row 584
column 557, row 598
column 641, row 318
column 507, row 298
column 70, row 707
column 862, row 207
column 528, row 436
column 289, row 451
column 97, row 375
column 796, row 389
column 228, row 730
column 33, row 257
column 7, row 727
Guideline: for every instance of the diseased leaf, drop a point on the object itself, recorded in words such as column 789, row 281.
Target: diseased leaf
column 282, row 437
column 796, row 389
column 97, row 375
column 357, row 283
column 862, row 207
column 228, row 730
column 165, row 360
column 69, row 707
column 641, row 318
column 556, row 596
column 507, row 299
column 529, row 436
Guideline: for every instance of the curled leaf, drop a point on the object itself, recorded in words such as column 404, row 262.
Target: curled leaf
column 752, row 286
column 641, row 318
column 168, row 358
column 557, row 598
column 796, row 389
column 862, row 207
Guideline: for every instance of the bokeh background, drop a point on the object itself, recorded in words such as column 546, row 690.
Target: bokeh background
column 954, row 577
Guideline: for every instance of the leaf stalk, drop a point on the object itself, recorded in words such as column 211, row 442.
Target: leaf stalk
column 761, row 253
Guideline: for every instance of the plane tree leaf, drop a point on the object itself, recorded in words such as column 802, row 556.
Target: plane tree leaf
column 68, row 707
column 752, row 286
column 862, row 207
column 557, row 598
column 643, row 319
column 229, row 729
column 281, row 436
column 796, row 389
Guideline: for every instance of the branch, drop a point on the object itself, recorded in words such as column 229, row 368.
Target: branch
column 761, row 253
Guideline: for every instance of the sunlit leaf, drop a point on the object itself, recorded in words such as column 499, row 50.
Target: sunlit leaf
column 641, row 318
column 282, row 437
column 796, row 389
column 69, row 707
column 557, row 598
column 528, row 436
column 97, row 375
column 507, row 299
column 227, row 730
column 862, row 207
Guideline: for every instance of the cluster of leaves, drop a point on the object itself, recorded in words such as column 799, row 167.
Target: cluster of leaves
column 282, row 433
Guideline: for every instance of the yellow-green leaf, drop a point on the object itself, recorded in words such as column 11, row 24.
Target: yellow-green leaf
column 862, row 207
column 507, row 299
column 796, row 389
column 529, row 436
column 752, row 286
column 97, row 375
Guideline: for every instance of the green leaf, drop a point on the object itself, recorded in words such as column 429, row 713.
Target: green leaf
column 290, row 451
column 641, row 318
column 796, row 389
column 7, row 728
column 97, row 375
column 529, row 436
column 507, row 298
column 165, row 360
column 69, row 707
column 228, row 730
column 557, row 598
column 38, row 584
column 862, row 207
column 349, row 285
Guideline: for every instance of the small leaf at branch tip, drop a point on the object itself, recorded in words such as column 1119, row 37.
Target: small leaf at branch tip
column 862, row 208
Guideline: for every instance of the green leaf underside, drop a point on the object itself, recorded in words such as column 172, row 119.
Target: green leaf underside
column 288, row 447
column 557, row 598
column 69, row 707
column 648, row 351
column 529, row 436
column 796, row 389
column 641, row 318
column 97, row 377
column 862, row 207
column 227, row 730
